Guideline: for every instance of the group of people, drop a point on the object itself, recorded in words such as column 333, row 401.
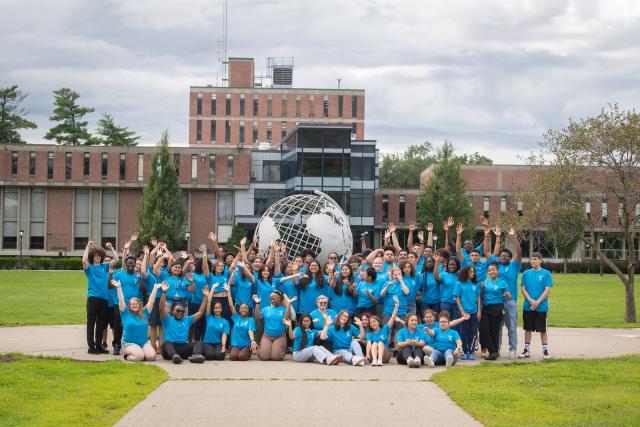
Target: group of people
column 419, row 304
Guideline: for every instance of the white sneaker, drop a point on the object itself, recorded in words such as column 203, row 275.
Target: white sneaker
column 512, row 354
column 416, row 362
column 380, row 361
column 449, row 361
column 410, row 362
column 428, row 361
column 357, row 361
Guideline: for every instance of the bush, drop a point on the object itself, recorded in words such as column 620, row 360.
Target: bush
column 41, row 263
column 590, row 266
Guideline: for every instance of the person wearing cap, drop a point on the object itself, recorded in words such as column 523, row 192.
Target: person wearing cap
column 273, row 342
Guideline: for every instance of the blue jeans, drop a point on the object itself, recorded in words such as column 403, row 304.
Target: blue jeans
column 510, row 320
column 440, row 357
column 468, row 333
column 354, row 350
column 426, row 306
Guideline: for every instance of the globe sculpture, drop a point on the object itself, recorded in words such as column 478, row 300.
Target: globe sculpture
column 306, row 221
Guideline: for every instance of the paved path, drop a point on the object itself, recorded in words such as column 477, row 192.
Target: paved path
column 270, row 393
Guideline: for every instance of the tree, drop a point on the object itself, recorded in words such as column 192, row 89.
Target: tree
column 161, row 212
column 111, row 134
column 402, row 170
column 590, row 161
column 444, row 195
column 71, row 130
column 475, row 159
column 237, row 233
column 12, row 116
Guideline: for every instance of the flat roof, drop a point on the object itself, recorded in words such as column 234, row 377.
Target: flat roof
column 246, row 89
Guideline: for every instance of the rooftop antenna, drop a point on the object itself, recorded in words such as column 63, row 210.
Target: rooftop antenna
column 339, row 80
column 222, row 44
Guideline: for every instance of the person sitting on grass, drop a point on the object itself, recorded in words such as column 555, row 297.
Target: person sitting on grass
column 135, row 322
column 216, row 332
column 342, row 334
column 303, row 348
column 446, row 343
column 536, row 285
column 243, row 341
column 176, row 345
column 378, row 337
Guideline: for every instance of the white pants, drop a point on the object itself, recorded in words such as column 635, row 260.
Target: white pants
column 354, row 350
column 314, row 352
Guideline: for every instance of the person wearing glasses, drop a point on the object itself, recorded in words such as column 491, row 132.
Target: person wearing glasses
column 318, row 315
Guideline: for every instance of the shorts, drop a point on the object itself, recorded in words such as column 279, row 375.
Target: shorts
column 534, row 321
column 127, row 344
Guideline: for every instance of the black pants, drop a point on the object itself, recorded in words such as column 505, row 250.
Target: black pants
column 490, row 327
column 97, row 313
column 468, row 333
column 115, row 321
column 199, row 326
column 185, row 350
column 212, row 351
column 409, row 351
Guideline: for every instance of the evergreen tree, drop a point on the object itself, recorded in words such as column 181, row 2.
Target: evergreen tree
column 237, row 233
column 161, row 212
column 444, row 195
column 11, row 116
column 111, row 134
column 71, row 130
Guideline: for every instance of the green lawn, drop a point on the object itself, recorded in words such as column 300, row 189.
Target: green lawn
column 56, row 391
column 551, row 393
column 58, row 297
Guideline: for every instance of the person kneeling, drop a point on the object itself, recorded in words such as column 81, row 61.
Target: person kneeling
column 216, row 332
column 447, row 345
column 273, row 343
column 303, row 348
column 243, row 341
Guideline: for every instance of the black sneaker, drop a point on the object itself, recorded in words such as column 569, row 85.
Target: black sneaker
column 102, row 350
column 93, row 350
column 196, row 358
column 116, row 350
column 177, row 359
column 104, row 345
column 493, row 356
column 525, row 354
column 545, row 354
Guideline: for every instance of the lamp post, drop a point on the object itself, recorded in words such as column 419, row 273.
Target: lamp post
column 601, row 241
column 435, row 242
column 21, row 263
column 187, row 234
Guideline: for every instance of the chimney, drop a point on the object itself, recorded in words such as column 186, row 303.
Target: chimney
column 241, row 72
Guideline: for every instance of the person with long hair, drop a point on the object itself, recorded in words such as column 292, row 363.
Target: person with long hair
column 342, row 335
column 495, row 292
column 410, row 342
column 285, row 270
column 396, row 287
column 217, row 279
column 342, row 291
column 303, row 337
column 447, row 281
column 467, row 296
column 429, row 287
column 312, row 285
column 273, row 342
column 243, row 341
column 409, row 278
column 377, row 351
column 216, row 333
column 135, row 322
column 201, row 277
column 368, row 293
column 244, row 281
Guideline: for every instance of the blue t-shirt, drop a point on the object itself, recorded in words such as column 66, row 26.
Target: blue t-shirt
column 493, row 292
column 177, row 331
column 382, row 278
column 509, row 273
column 217, row 281
column 445, row 340
column 130, row 284
column 241, row 327
column 288, row 288
column 244, row 291
column 481, row 268
column 98, row 278
column 150, row 282
column 273, row 316
column 297, row 338
column 134, row 328
column 177, row 288
column 310, row 293
column 424, row 327
column 263, row 290
column 363, row 299
column 199, row 282
column 343, row 301
column 411, row 282
column 429, row 287
column 420, row 263
column 468, row 292
column 535, row 282
column 447, row 285
column 395, row 289
column 381, row 336
column 318, row 320
column 216, row 326
column 467, row 255
column 340, row 338
column 404, row 335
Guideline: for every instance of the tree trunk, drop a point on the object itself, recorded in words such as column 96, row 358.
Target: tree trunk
column 630, row 301
column 564, row 262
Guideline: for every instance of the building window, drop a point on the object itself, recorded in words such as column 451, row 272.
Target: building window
column 227, row 105
column 227, row 131
column 109, row 215
column 104, row 165
column 198, row 131
column 312, row 106
column 325, row 107
column 194, row 167
column 503, row 203
column 241, row 133
column 340, row 103
column 269, row 106
column 363, row 168
column 140, row 167
column 176, row 162
column 85, row 166
column 14, row 164
column 298, row 106
column 255, row 105
column 213, row 132
column 263, row 199
column 10, row 219
column 123, row 166
column 68, row 165
column 32, row 163
column 199, row 105
column 213, row 105
column 520, row 208
column 242, row 105
column 401, row 209
column 81, row 219
column 587, row 209
column 605, row 212
column 49, row 165
column 362, row 203
column 385, row 208
column 283, row 130
column 271, row 171
column 354, row 106
column 485, row 206
column 36, row 218
column 229, row 169
column 354, row 130
column 225, row 205
column 283, row 111
column 212, row 167
column 269, row 131
column 255, row 132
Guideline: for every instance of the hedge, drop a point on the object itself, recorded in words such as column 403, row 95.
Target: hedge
column 41, row 263
column 591, row 266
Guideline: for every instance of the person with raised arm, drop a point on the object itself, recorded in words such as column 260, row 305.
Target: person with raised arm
column 176, row 325
column 312, row 285
column 342, row 290
column 410, row 343
column 377, row 351
column 303, row 338
column 216, row 333
column 446, row 344
column 242, row 279
column 447, row 281
column 135, row 322
column 410, row 279
column 273, row 343
column 217, row 279
column 243, row 341
column 494, row 292
column 367, row 293
column 342, row 334
column 201, row 277
column 395, row 287
column 429, row 287
column 468, row 301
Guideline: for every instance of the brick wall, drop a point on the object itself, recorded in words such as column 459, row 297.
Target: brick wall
column 59, row 219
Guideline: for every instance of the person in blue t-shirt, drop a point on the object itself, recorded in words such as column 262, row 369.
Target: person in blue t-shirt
column 377, row 351
column 536, row 284
column 97, row 273
column 447, row 280
column 273, row 343
column 494, row 292
column 280, row 271
column 342, row 291
column 319, row 314
column 467, row 295
column 367, row 293
column 344, row 336
column 176, row 345
column 312, row 285
column 429, row 288
column 199, row 277
column 243, row 341
column 303, row 337
column 410, row 343
column 446, row 344
column 216, row 332
column 244, row 281
column 410, row 278
column 135, row 322
column 218, row 277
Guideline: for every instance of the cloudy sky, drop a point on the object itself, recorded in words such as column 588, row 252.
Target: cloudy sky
column 491, row 76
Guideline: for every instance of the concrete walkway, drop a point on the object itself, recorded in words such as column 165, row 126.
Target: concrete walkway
column 274, row 393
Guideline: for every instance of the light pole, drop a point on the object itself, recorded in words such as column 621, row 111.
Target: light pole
column 600, row 247
column 21, row 263
column 187, row 234
column 435, row 242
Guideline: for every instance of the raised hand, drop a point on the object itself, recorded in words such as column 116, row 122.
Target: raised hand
column 387, row 234
column 189, row 277
column 226, row 287
column 127, row 244
column 134, row 236
column 484, row 221
column 90, row 244
column 421, row 235
column 450, row 222
column 497, row 231
column 165, row 286
column 256, row 299
column 212, row 236
column 459, row 229
column 157, row 286
column 205, row 290
column 512, row 231
column 392, row 227
column 429, row 227
column 357, row 321
column 145, row 249
column 286, row 322
column 115, row 283
column 243, row 241
column 109, row 246
column 161, row 245
column 412, row 225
